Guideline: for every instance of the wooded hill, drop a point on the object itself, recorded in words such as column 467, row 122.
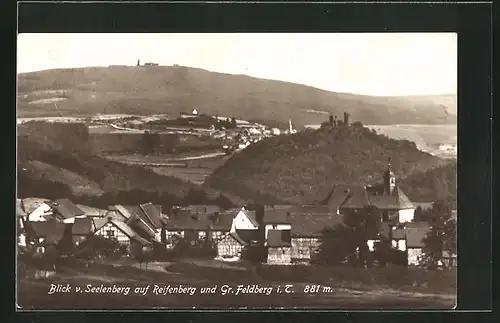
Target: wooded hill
column 171, row 90
column 302, row 168
column 53, row 168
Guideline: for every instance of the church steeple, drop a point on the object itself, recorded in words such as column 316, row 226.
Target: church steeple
column 389, row 179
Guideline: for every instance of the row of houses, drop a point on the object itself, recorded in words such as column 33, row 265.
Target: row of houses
column 288, row 234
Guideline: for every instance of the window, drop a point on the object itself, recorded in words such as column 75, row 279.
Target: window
column 275, row 227
column 110, row 233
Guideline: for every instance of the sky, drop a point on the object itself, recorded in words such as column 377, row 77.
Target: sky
column 384, row 64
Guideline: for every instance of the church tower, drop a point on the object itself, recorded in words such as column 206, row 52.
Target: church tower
column 389, row 179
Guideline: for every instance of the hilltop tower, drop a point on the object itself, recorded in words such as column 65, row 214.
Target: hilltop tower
column 346, row 118
column 389, row 179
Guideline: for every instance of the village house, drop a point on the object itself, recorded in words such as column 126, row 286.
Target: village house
column 277, row 235
column 230, row 246
column 308, row 225
column 37, row 209
column 279, row 247
column 93, row 212
column 81, row 229
column 195, row 227
column 44, row 234
column 415, row 233
column 129, row 240
column 390, row 199
column 66, row 211
column 146, row 219
column 276, row 219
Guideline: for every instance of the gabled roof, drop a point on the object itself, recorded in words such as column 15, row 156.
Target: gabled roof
column 357, row 198
column 135, row 222
column 99, row 222
column 415, row 233
column 236, row 237
column 221, row 222
column 251, row 215
column 312, row 225
column 122, row 226
column 337, row 196
column 248, row 235
column 277, row 216
column 153, row 213
column 396, row 201
column 82, row 226
column 66, row 208
column 122, row 210
column 30, row 204
column 52, row 231
column 278, row 238
column 137, row 211
column 184, row 220
column 129, row 232
column 92, row 211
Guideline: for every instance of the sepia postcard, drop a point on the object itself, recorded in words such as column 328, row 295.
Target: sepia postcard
column 236, row 170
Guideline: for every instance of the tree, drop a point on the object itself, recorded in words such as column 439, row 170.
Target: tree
column 337, row 244
column 442, row 235
column 365, row 224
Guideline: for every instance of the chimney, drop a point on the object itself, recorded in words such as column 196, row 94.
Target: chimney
column 331, row 119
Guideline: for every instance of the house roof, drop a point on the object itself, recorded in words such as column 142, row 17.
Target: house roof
column 52, row 231
column 236, row 237
column 203, row 209
column 396, row 201
column 82, row 226
column 92, row 211
column 415, row 233
column 122, row 226
column 278, row 238
column 135, row 222
column 19, row 208
column 129, row 232
column 277, row 216
column 137, row 211
column 221, row 222
column 313, row 224
column 248, row 235
column 99, row 222
column 252, row 216
column 357, row 198
column 153, row 213
column 30, row 204
column 184, row 220
column 398, row 233
column 122, row 210
column 338, row 194
column 66, row 208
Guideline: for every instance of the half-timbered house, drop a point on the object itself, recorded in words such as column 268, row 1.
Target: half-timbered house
column 230, row 246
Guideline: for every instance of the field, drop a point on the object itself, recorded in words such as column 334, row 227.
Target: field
column 185, row 166
column 33, row 293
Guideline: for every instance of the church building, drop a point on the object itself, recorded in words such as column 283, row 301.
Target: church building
column 396, row 207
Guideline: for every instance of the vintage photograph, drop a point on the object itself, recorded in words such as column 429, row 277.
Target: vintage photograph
column 236, row 171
